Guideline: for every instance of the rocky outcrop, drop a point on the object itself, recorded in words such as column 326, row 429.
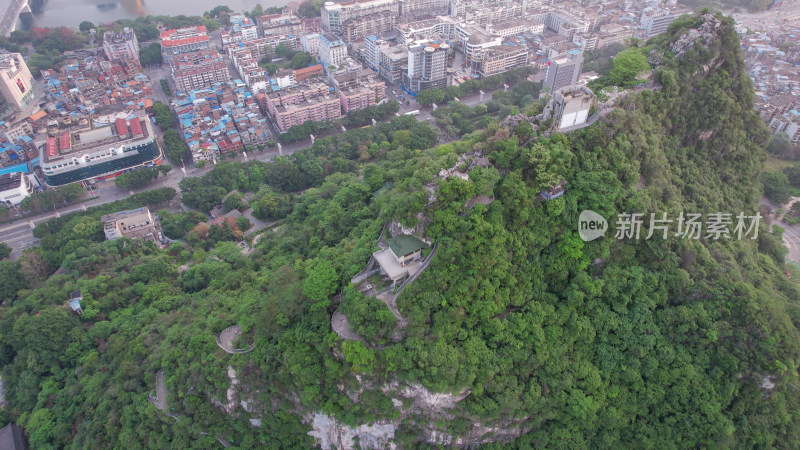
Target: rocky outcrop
column 329, row 433
column 704, row 35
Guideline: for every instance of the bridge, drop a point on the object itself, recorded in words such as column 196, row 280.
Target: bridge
column 9, row 13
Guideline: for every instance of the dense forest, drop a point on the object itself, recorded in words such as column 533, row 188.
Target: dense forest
column 554, row 341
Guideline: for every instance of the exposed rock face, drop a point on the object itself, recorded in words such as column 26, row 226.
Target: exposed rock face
column 330, row 434
column 425, row 400
column 706, row 33
column 230, row 395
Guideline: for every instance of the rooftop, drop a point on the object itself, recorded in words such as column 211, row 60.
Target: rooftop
column 404, row 244
column 107, row 135
column 10, row 181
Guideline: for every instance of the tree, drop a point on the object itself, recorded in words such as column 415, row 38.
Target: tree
column 151, row 54
column 85, row 26
column 176, row 148
column 165, row 118
column 300, row 60
column 428, row 97
column 320, row 282
column 627, row 65
column 284, row 51
column 781, row 146
column 11, row 280
column 271, row 68
column 776, row 187
column 137, row 178
column 5, row 250
column 233, row 201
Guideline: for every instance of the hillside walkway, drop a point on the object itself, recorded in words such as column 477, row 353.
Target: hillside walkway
column 228, row 336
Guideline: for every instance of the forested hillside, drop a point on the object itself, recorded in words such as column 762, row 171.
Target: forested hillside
column 547, row 340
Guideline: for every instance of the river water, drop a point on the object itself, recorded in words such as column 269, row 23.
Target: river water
column 70, row 13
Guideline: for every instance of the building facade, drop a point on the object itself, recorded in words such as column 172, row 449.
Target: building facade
column 311, row 101
column 198, row 69
column 14, row 187
column 16, row 83
column 359, row 90
column 99, row 151
column 427, row 66
column 121, row 45
column 183, row 40
column 133, row 224
column 375, row 23
column 562, row 72
column 501, row 59
column 334, row 15
column 389, row 60
column 332, row 50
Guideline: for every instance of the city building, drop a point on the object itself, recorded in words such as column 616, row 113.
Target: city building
column 655, row 20
column 198, row 69
column 423, row 8
column 310, row 43
column 440, row 27
column 473, row 40
column 334, row 15
column 219, row 119
column 401, row 257
column 284, row 22
column 562, row 72
column 310, row 101
column 332, row 50
column 12, row 132
column 14, row 187
column 427, row 66
column 571, row 106
column 183, row 40
column 788, row 123
column 86, row 85
column 308, row 72
column 242, row 27
column 16, row 84
column 121, row 45
column 375, row 23
column 99, row 151
column 359, row 90
column 389, row 60
column 133, row 224
column 502, row 58
column 74, row 301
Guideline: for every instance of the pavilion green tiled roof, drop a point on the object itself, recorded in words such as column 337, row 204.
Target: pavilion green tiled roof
column 404, row 244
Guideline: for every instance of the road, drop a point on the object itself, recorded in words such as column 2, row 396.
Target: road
column 791, row 233
column 788, row 12
column 19, row 234
column 9, row 12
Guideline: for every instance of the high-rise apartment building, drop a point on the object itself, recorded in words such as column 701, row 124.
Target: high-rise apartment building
column 563, row 71
column 196, row 70
column 16, row 84
column 334, row 15
column 387, row 59
column 332, row 50
column 311, row 101
column 121, row 45
column 427, row 66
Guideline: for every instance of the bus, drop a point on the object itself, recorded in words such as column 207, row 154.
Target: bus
column 412, row 113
